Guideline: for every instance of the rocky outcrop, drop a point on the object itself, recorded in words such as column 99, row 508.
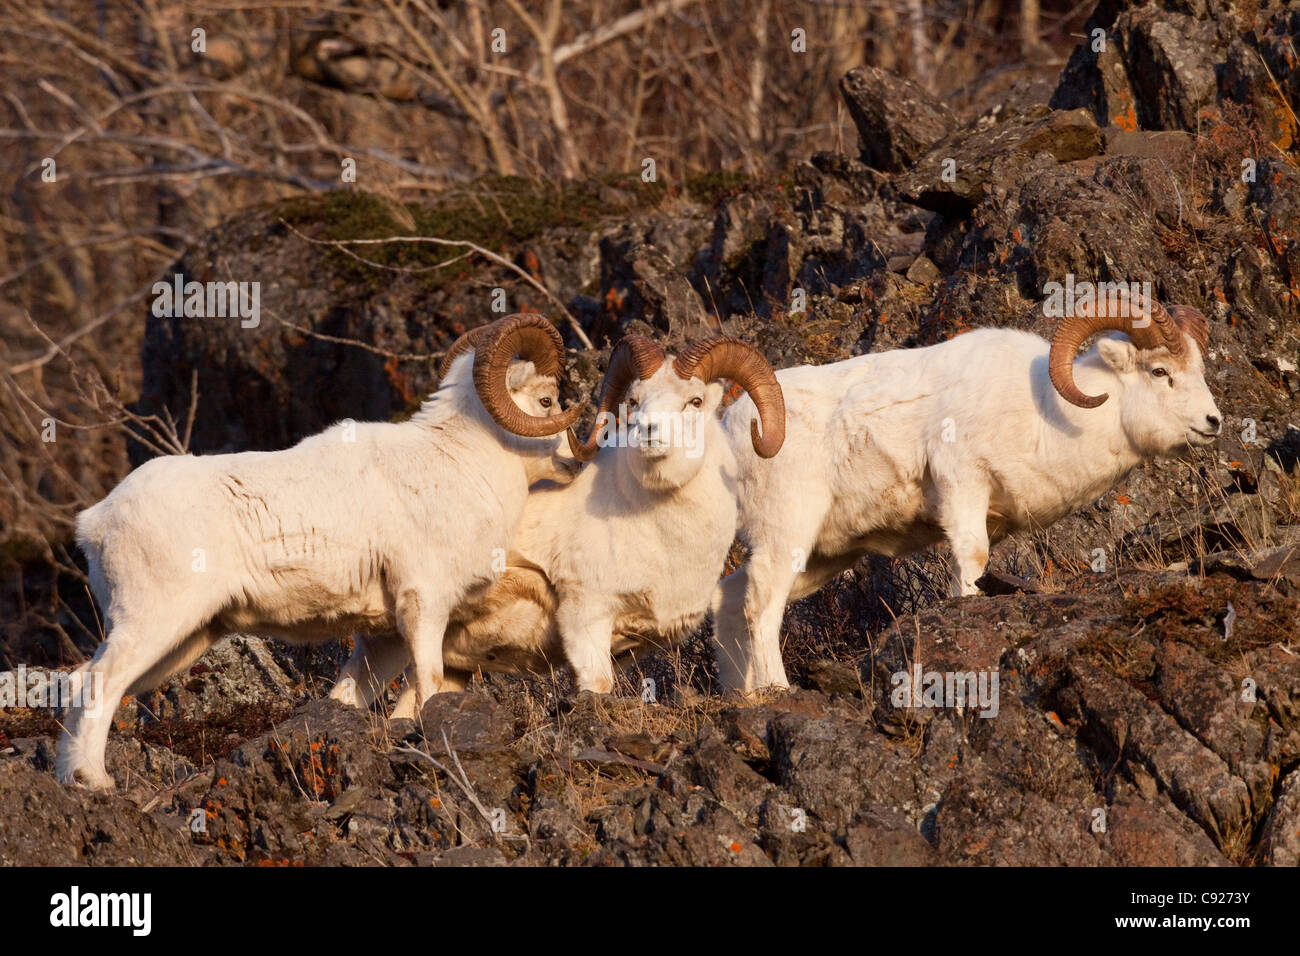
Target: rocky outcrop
column 1170, row 65
column 959, row 224
column 1123, row 729
column 897, row 119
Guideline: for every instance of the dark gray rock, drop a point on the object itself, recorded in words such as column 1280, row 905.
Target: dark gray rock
column 897, row 119
column 957, row 173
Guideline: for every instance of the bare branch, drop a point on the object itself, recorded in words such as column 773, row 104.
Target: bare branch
column 462, row 244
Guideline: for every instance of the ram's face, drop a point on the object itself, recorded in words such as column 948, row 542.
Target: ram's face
column 536, row 394
column 667, row 423
column 1167, row 405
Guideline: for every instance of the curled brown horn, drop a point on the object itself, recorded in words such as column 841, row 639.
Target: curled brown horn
column 464, row 344
column 723, row 357
column 1192, row 321
column 634, row 357
column 534, row 339
column 1151, row 328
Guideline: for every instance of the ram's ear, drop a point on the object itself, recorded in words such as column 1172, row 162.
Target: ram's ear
column 713, row 393
column 1119, row 354
column 518, row 374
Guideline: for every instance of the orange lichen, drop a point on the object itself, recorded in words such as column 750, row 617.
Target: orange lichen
column 532, row 265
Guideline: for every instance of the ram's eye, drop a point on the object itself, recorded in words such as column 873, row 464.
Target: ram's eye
column 1159, row 372
column 546, row 401
column 697, row 402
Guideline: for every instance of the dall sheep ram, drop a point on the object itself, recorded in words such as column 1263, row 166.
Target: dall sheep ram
column 630, row 552
column 361, row 528
column 968, row 440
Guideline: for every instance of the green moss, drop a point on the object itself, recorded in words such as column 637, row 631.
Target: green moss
column 498, row 213
column 713, row 186
column 341, row 214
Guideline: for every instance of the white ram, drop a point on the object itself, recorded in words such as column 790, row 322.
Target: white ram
column 363, row 527
column 630, row 552
column 967, row 440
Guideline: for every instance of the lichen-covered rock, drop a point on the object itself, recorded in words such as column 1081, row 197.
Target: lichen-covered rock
column 1281, row 841
column 897, row 119
column 956, row 174
column 1166, row 65
column 1171, row 66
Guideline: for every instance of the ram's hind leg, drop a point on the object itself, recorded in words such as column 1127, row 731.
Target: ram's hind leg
column 134, row 659
column 770, row 585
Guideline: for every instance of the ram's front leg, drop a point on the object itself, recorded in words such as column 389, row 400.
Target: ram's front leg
column 422, row 619
column 748, row 609
column 586, row 632
column 964, row 515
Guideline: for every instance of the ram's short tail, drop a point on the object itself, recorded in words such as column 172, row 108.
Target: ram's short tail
column 90, row 534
